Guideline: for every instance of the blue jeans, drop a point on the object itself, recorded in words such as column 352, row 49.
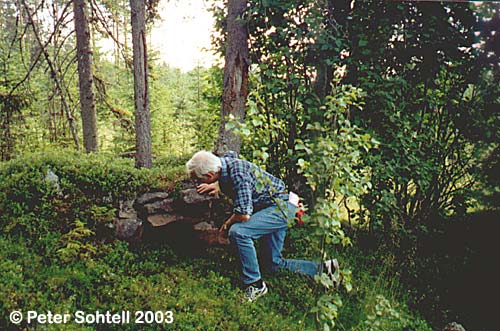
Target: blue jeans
column 270, row 224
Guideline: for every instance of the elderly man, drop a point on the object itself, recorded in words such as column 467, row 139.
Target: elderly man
column 261, row 209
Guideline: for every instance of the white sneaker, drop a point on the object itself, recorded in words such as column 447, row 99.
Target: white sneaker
column 253, row 293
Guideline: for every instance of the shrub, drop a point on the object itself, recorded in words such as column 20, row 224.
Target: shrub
column 65, row 193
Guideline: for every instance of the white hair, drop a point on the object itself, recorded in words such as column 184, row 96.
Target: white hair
column 202, row 163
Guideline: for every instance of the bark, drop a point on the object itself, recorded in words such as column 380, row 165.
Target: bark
column 6, row 141
column 235, row 76
column 141, row 92
column 85, row 76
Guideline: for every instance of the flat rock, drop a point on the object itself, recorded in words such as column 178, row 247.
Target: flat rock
column 191, row 196
column 151, row 197
column 204, row 226
column 162, row 219
column 162, row 206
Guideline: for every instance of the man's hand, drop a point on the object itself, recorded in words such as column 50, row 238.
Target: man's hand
column 211, row 189
column 233, row 219
column 225, row 227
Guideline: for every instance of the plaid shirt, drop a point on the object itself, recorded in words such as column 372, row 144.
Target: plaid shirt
column 250, row 187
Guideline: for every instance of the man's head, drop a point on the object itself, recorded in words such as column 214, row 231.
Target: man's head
column 204, row 166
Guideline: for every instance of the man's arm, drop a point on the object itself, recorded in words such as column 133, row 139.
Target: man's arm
column 235, row 218
column 242, row 204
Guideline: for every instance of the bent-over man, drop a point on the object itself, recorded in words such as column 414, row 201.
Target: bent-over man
column 261, row 209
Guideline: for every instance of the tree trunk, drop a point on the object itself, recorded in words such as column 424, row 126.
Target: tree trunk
column 235, row 76
column 6, row 141
column 87, row 99
column 141, row 93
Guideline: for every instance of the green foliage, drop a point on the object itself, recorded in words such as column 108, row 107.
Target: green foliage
column 377, row 300
column 184, row 108
column 88, row 189
column 385, row 315
column 40, row 108
column 282, row 100
column 300, row 135
column 420, row 98
column 331, row 159
column 59, row 266
column 333, row 167
column 74, row 245
column 426, row 89
column 427, row 111
column 327, row 309
column 429, row 107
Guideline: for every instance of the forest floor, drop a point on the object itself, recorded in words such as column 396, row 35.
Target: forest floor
column 52, row 259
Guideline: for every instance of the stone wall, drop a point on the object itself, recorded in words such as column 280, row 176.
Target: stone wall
column 155, row 213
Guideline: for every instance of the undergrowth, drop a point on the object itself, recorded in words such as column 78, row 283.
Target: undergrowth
column 55, row 256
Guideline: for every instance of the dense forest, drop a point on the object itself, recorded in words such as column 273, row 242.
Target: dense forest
column 383, row 115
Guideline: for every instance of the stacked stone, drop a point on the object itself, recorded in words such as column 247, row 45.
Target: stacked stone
column 203, row 212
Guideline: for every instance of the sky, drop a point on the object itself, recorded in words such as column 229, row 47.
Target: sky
column 183, row 35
